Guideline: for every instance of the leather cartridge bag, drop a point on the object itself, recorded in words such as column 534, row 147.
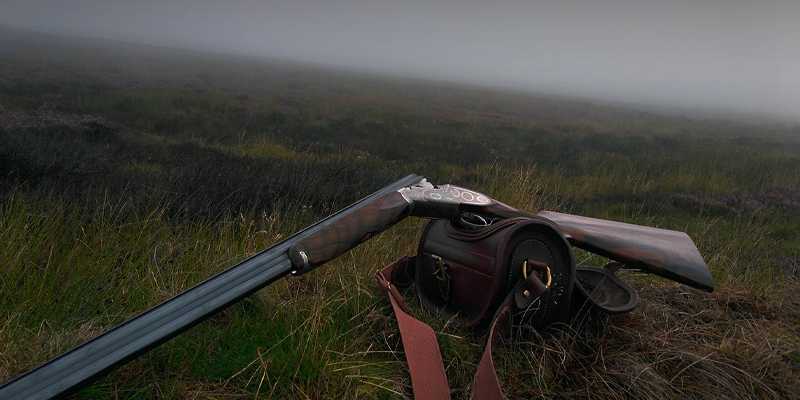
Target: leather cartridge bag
column 484, row 273
column 471, row 269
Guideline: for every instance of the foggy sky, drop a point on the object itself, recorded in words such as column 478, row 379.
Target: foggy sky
column 717, row 54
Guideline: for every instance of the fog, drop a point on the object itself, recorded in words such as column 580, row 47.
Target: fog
column 718, row 55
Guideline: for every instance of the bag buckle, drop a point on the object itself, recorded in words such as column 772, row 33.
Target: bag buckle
column 541, row 269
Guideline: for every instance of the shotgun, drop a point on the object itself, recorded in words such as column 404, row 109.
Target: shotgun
column 667, row 253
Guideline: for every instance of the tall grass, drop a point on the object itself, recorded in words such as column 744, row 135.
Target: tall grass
column 71, row 274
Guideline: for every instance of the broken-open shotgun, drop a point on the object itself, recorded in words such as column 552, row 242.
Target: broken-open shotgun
column 667, row 253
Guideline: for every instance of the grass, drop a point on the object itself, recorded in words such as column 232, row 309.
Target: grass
column 123, row 183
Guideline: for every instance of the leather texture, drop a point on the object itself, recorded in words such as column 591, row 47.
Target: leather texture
column 428, row 379
column 471, row 271
column 424, row 359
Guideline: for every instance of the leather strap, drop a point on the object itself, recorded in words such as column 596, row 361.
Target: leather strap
column 424, row 359
column 485, row 384
column 428, row 379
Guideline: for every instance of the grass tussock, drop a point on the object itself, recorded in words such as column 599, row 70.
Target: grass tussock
column 679, row 343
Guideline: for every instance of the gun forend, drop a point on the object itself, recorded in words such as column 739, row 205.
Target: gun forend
column 346, row 233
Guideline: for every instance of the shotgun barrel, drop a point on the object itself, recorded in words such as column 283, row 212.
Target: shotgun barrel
column 139, row 334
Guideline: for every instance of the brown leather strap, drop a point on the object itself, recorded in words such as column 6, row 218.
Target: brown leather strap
column 424, row 359
column 485, row 384
column 428, row 379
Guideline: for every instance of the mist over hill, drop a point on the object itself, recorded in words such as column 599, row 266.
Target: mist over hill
column 707, row 55
column 31, row 55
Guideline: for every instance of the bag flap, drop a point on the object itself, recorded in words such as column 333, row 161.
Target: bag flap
column 604, row 290
column 667, row 253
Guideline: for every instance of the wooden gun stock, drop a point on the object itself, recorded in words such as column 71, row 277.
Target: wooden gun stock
column 663, row 252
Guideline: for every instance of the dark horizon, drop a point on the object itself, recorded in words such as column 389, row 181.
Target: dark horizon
column 711, row 57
